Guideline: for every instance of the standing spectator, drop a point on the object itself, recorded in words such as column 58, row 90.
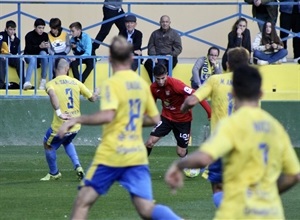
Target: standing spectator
column 259, row 162
column 134, row 37
column 64, row 93
column 172, row 93
column 164, row 41
column 81, row 44
column 126, row 106
column 205, row 67
column 290, row 20
column 59, row 40
column 264, row 12
column 111, row 9
column 36, row 43
column 239, row 36
column 267, row 46
column 10, row 44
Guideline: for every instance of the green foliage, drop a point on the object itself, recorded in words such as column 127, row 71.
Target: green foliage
column 23, row 196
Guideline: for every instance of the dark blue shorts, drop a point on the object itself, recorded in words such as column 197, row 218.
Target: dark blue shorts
column 53, row 140
column 135, row 179
column 214, row 172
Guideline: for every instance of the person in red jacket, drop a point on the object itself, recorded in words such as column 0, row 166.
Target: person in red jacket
column 172, row 93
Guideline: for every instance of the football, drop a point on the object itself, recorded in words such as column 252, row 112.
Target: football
column 191, row 173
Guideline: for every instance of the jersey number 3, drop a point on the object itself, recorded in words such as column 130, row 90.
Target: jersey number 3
column 134, row 113
column 69, row 93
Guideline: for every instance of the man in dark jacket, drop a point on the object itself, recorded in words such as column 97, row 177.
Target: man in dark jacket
column 10, row 44
column 133, row 36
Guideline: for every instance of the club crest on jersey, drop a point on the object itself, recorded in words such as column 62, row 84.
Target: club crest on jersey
column 167, row 92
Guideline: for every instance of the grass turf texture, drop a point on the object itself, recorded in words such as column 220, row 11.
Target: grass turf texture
column 23, row 196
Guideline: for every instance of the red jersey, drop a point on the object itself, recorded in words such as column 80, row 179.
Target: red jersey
column 172, row 95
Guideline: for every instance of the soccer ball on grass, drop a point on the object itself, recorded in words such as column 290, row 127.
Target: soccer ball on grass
column 191, row 173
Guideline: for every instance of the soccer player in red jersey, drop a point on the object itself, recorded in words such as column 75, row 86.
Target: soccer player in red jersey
column 172, row 93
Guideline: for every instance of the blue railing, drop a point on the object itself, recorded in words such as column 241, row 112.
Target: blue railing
column 19, row 12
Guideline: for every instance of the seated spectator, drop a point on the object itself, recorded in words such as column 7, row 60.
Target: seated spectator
column 10, row 44
column 36, row 43
column 205, row 67
column 81, row 44
column 59, row 40
column 239, row 36
column 133, row 36
column 267, row 46
column 164, row 41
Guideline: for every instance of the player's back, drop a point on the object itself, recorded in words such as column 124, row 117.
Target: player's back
column 219, row 89
column 261, row 151
column 67, row 90
column 122, row 142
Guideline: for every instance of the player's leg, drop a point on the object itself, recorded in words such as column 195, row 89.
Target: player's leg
column 181, row 131
column 51, row 144
column 137, row 181
column 98, row 180
column 71, row 152
column 214, row 175
column 86, row 197
column 160, row 130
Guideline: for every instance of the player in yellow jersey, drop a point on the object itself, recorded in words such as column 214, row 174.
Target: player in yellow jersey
column 259, row 161
column 219, row 89
column 126, row 106
column 64, row 93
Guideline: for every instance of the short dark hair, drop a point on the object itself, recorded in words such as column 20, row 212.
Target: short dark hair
column 76, row 25
column 213, row 48
column 11, row 24
column 159, row 70
column 237, row 56
column 39, row 22
column 55, row 23
column 246, row 82
column 120, row 50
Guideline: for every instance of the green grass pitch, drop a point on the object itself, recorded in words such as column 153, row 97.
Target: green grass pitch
column 23, row 196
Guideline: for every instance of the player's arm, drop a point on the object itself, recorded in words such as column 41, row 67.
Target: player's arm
column 151, row 116
column 95, row 95
column 55, row 104
column 98, row 118
column 285, row 182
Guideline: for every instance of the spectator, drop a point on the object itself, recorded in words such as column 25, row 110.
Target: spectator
column 111, row 9
column 36, row 43
column 164, row 41
column 290, row 20
column 263, row 12
column 133, row 36
column 267, row 46
column 205, row 67
column 238, row 37
column 59, row 40
column 81, row 44
column 10, row 44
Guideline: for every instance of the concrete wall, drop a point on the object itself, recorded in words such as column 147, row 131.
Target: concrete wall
column 183, row 18
column 25, row 121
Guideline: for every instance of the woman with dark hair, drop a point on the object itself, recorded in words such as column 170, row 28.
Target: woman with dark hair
column 267, row 46
column 239, row 36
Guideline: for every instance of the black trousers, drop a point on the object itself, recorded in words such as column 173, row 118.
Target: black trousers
column 291, row 22
column 15, row 63
column 105, row 28
column 149, row 65
column 89, row 62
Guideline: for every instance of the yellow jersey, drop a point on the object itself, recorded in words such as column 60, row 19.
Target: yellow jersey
column 122, row 142
column 255, row 149
column 219, row 89
column 67, row 90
